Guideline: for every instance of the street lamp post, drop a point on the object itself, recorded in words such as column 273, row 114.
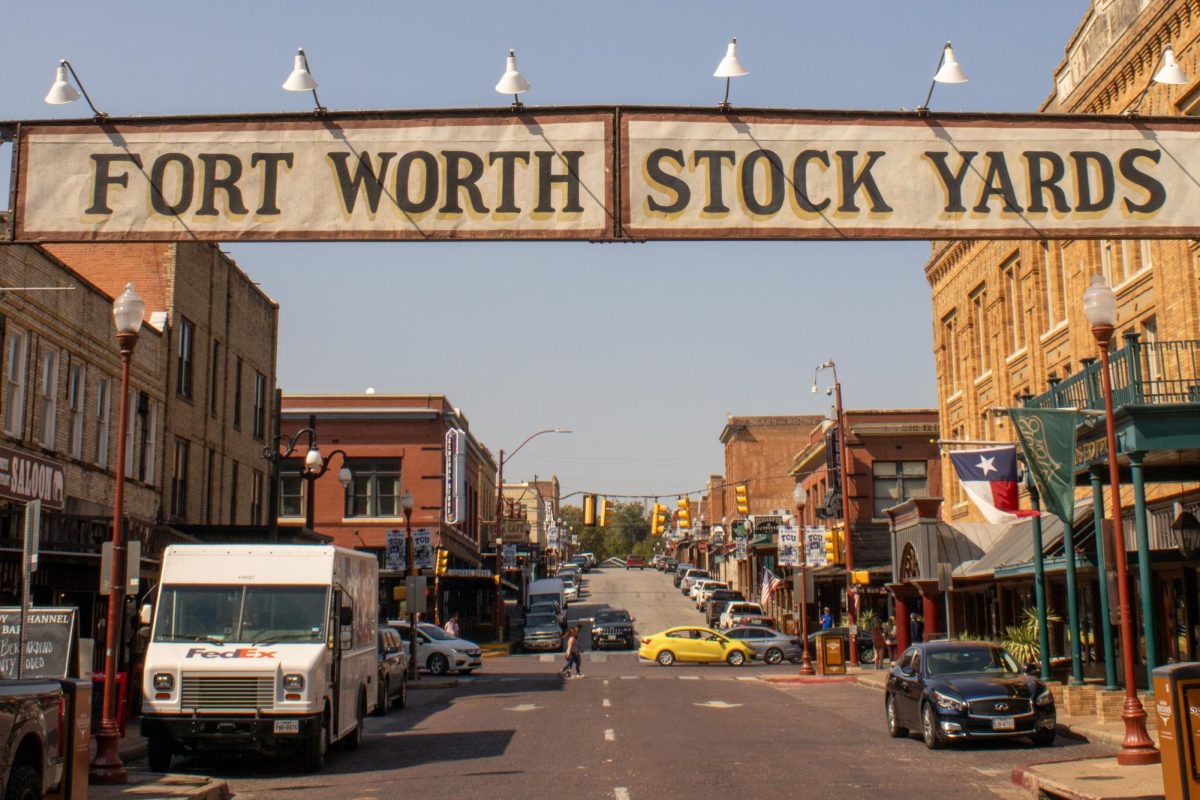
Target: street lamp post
column 799, row 498
column 315, row 465
column 848, row 538
column 498, row 607
column 106, row 767
column 1100, row 307
column 410, row 558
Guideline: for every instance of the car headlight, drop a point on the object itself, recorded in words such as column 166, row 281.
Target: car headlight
column 1045, row 699
column 293, row 682
column 164, row 681
column 949, row 703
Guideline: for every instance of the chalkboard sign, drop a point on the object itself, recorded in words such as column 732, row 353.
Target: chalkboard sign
column 48, row 639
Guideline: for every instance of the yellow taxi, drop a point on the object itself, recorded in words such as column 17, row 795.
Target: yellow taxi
column 695, row 645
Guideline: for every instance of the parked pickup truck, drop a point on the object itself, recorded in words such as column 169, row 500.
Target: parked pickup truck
column 31, row 738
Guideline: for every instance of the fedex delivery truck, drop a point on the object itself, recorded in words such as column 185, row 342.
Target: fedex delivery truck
column 260, row 648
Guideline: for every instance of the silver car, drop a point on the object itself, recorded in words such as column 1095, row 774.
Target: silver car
column 542, row 632
column 769, row 645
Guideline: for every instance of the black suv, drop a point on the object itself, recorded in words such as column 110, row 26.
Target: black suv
column 716, row 604
column 613, row 627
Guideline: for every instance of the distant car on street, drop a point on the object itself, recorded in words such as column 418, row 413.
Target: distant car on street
column 716, row 604
column 547, row 606
column 695, row 645
column 768, row 644
column 951, row 691
column 613, row 627
column 690, row 577
column 635, row 561
column 393, row 671
column 542, row 632
column 734, row 611
column 667, row 564
column 439, row 652
column 703, row 588
column 678, row 573
column 570, row 587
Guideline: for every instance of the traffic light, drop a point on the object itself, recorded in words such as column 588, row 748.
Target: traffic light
column 658, row 520
column 443, row 561
column 603, row 514
column 589, row 509
column 685, row 512
column 742, row 495
column 833, row 546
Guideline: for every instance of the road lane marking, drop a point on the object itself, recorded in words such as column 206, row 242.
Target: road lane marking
column 524, row 707
column 545, row 657
column 744, row 678
column 610, row 735
column 620, row 793
column 606, row 703
column 717, row 704
column 689, row 677
column 630, row 677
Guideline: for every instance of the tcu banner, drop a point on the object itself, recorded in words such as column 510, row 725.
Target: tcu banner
column 607, row 174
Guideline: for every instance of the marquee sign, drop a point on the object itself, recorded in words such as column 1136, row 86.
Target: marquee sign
column 607, row 174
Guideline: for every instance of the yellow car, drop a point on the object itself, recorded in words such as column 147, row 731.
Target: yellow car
column 697, row 645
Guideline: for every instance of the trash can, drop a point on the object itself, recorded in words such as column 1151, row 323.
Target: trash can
column 77, row 739
column 1176, row 703
column 831, row 653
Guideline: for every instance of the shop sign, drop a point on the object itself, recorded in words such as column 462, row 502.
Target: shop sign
column 515, row 531
column 454, row 499
column 25, row 477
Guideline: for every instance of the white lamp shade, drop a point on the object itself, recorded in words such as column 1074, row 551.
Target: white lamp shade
column 313, row 461
column 950, row 71
column 730, row 67
column 512, row 81
column 799, row 496
column 301, row 80
column 406, row 502
column 128, row 310
column 1171, row 72
column 345, row 476
column 62, row 91
column 1100, row 303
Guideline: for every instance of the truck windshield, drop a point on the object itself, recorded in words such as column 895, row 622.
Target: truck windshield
column 253, row 614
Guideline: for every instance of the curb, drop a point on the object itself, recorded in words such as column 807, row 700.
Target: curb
column 166, row 785
column 1026, row 778
column 496, row 650
column 798, row 680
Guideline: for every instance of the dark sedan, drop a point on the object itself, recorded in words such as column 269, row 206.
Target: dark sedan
column 613, row 627
column 951, row 691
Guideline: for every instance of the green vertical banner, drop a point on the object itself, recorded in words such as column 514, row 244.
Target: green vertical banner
column 1047, row 439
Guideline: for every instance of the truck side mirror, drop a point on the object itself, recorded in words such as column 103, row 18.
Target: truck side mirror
column 345, row 615
column 146, row 614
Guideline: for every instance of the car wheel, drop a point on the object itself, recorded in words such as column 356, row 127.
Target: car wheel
column 773, row 656
column 385, row 691
column 736, row 658
column 665, row 658
column 437, row 664
column 1043, row 738
column 929, row 728
column 158, row 753
column 25, row 782
column 402, row 698
column 895, row 729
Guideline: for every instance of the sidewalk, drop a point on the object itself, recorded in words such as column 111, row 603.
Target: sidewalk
column 156, row 785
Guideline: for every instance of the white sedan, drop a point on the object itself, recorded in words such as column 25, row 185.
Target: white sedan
column 439, row 652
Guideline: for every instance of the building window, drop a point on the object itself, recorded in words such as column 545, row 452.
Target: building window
column 133, row 425
column 210, row 480
column 237, row 394
column 950, row 351
column 183, row 367
column 292, row 488
column 148, row 439
column 103, row 415
column 374, row 490
column 260, row 405
column 897, row 481
column 76, row 405
column 1054, row 266
column 979, row 322
column 233, row 494
column 179, row 479
column 214, row 379
column 47, row 398
column 256, row 498
column 15, row 350
column 1121, row 259
column 1014, row 308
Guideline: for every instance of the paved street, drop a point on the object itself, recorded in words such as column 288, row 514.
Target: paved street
column 635, row 730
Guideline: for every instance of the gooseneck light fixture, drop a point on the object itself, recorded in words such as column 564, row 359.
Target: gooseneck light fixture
column 301, row 80
column 730, row 67
column 1171, row 74
column 512, row 81
column 62, row 92
column 948, row 71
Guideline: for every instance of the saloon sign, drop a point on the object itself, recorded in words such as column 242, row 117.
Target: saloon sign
column 606, row 174
column 24, row 477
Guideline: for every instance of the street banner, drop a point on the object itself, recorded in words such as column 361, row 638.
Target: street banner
column 789, row 546
column 423, row 548
column 552, row 537
column 739, row 549
column 814, row 546
column 1047, row 438
column 606, row 174
column 509, row 556
column 397, row 551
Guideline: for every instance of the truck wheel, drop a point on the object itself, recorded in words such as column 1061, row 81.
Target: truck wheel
column 402, row 698
column 24, row 783
column 317, row 748
column 355, row 739
column 158, row 754
column 384, row 700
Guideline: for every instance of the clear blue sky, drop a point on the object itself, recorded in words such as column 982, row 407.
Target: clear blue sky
column 641, row 349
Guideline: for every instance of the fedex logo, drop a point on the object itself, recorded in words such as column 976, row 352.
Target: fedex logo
column 241, row 652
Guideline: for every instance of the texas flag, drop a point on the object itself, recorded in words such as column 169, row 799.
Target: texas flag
column 990, row 478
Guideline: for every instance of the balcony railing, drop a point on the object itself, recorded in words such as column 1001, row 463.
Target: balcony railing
column 1153, row 373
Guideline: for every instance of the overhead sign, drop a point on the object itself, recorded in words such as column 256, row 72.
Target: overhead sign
column 25, row 477
column 514, row 531
column 455, row 491
column 609, row 173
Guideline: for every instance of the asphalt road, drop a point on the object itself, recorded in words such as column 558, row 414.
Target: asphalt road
column 632, row 730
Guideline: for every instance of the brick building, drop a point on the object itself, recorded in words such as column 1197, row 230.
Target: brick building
column 528, row 501
column 393, row 444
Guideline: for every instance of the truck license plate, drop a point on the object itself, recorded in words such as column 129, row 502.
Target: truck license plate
column 1002, row 724
column 287, row 726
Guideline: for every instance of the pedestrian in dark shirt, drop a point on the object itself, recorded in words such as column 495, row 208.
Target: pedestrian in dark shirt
column 573, row 655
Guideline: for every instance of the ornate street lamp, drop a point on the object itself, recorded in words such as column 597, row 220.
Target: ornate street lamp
column 1100, row 308
column 106, row 767
column 315, row 466
column 799, row 498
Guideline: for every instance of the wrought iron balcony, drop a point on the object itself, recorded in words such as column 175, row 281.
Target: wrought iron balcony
column 1151, row 373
